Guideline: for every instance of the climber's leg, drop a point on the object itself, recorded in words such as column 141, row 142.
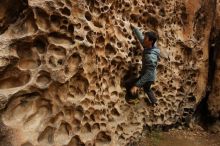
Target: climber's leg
column 128, row 84
column 150, row 93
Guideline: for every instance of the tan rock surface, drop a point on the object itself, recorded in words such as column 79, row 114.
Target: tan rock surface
column 62, row 63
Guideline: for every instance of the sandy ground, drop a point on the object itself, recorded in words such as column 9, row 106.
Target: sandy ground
column 189, row 137
column 195, row 136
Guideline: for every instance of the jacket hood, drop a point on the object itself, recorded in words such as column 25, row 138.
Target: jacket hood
column 154, row 50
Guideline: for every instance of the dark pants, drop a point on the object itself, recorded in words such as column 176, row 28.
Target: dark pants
column 129, row 83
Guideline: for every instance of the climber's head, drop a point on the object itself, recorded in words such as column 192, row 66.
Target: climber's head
column 149, row 39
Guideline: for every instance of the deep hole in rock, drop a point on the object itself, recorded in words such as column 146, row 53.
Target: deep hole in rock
column 60, row 61
column 103, row 138
column 43, row 79
column 199, row 54
column 55, row 19
column 88, row 16
column 95, row 126
column 28, row 55
column 76, row 141
column 24, row 50
column 110, row 50
column 12, row 10
column 79, row 113
column 65, row 11
column 97, row 24
column 65, row 21
column 86, row 128
column 79, row 85
column 47, row 135
column 119, row 44
column 59, row 38
column 162, row 12
column 76, row 125
column 89, row 38
column 65, row 128
column 68, row 3
column 41, row 18
column 184, row 17
column 100, row 40
column 63, row 28
column 52, row 61
column 71, row 28
column 78, row 25
column 153, row 21
column 156, row 2
column 60, row 4
column 87, row 28
column 56, row 50
column 115, row 112
column 145, row 14
column 105, row 8
column 79, row 38
column 151, row 10
column 40, row 43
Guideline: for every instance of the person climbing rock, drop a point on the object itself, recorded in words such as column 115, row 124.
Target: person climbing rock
column 150, row 58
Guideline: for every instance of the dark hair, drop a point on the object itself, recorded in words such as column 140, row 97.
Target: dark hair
column 152, row 36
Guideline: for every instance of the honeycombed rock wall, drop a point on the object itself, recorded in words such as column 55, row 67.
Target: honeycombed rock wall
column 62, row 64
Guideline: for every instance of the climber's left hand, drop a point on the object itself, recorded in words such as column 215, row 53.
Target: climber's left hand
column 134, row 90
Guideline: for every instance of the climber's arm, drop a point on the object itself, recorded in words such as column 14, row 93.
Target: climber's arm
column 138, row 34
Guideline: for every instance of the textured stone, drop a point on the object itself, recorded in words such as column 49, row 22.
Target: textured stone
column 62, row 63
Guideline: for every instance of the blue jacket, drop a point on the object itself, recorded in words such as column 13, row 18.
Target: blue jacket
column 149, row 61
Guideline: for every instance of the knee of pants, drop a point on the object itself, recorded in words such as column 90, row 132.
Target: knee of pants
column 147, row 90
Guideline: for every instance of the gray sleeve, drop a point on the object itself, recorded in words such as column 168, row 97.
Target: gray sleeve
column 139, row 35
column 140, row 83
column 142, row 80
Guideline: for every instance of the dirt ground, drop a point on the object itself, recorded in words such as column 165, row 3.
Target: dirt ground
column 188, row 137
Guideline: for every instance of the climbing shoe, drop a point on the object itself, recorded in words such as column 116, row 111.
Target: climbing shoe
column 131, row 98
column 151, row 97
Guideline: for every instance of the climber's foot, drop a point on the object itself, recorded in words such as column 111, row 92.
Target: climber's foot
column 153, row 99
column 150, row 101
column 131, row 98
column 147, row 101
column 132, row 101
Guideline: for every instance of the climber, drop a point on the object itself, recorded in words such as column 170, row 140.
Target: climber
column 150, row 57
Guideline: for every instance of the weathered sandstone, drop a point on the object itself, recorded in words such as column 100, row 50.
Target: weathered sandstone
column 62, row 64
